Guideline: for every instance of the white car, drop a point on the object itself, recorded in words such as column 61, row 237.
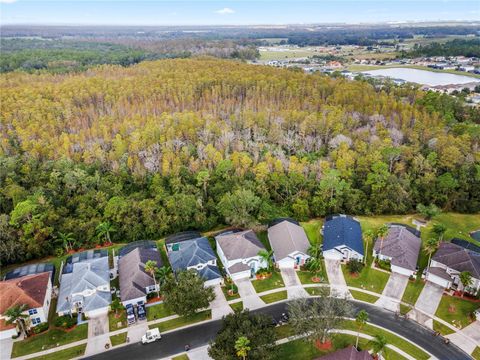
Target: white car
column 151, row 336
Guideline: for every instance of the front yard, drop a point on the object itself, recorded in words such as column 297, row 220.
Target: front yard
column 182, row 321
column 158, row 311
column 274, row 297
column 49, row 340
column 70, row 353
column 230, row 287
column 368, row 279
column 117, row 321
column 363, row 296
column 456, row 311
column 412, row 291
column 238, row 306
column 118, row 339
column 275, row 281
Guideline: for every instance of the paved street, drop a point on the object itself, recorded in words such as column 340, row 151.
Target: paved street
column 393, row 292
column 198, row 336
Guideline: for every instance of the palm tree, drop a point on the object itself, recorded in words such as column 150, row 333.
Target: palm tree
column 104, row 229
column 116, row 305
column 381, row 233
column 379, row 343
column 466, row 280
column 314, row 264
column 368, row 235
column 152, row 268
column 430, row 247
column 439, row 230
column 15, row 315
column 242, row 347
column 67, row 240
column 162, row 274
column 267, row 257
column 360, row 320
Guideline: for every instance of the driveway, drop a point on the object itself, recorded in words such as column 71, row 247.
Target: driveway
column 248, row 294
column 393, row 292
column 220, row 305
column 6, row 348
column 336, row 279
column 427, row 304
column 97, row 334
column 293, row 284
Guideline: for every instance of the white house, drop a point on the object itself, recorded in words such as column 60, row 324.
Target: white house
column 238, row 252
column 342, row 238
column 35, row 291
column 400, row 247
column 289, row 243
column 449, row 261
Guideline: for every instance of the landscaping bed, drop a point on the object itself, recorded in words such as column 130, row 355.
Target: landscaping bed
column 363, row 296
column 227, row 291
column 368, row 279
column 456, row 311
column 274, row 297
column 275, row 281
column 118, row 339
column 158, row 311
column 182, row 321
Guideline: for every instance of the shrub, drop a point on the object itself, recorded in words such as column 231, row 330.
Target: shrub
column 40, row 328
column 383, row 264
column 354, row 266
column 65, row 321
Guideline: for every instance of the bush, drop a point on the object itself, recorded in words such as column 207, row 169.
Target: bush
column 40, row 328
column 65, row 321
column 354, row 266
column 383, row 264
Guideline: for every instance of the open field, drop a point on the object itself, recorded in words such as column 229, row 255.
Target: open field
column 377, row 67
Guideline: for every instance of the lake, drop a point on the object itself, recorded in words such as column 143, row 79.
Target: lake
column 423, row 77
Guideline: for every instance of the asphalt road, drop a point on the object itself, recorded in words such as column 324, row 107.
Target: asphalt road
column 199, row 335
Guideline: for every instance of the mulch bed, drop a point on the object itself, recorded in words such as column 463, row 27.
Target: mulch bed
column 327, row 345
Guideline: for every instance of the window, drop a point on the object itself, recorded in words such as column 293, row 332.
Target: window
column 36, row 321
column 32, row 311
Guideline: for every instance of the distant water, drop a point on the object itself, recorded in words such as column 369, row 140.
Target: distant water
column 423, row 77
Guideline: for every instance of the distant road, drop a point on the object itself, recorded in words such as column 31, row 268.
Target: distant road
column 199, row 335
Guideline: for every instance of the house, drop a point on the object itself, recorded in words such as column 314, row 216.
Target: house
column 447, row 264
column 289, row 243
column 85, row 284
column 348, row 353
column 190, row 250
column 401, row 247
column 34, row 291
column 238, row 251
column 32, row 269
column 342, row 238
column 135, row 282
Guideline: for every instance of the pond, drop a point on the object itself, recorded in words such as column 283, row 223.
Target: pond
column 423, row 77
column 475, row 235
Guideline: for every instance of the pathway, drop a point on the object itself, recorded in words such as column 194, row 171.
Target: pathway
column 393, row 292
column 468, row 338
column 427, row 304
column 249, row 296
column 219, row 305
column 293, row 284
column 338, row 286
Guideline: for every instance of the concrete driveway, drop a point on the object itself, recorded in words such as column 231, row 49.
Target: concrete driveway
column 427, row 304
column 292, row 283
column 220, row 305
column 97, row 334
column 6, row 346
column 336, row 279
column 473, row 331
column 393, row 292
column 248, row 294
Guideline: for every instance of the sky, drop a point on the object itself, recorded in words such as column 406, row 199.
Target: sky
column 239, row 12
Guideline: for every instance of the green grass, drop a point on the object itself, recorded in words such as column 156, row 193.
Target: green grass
column 225, row 292
column 392, row 339
column 263, row 237
column 284, row 331
column 158, row 311
column 73, row 352
column 306, row 277
column 118, row 339
column 368, row 279
column 442, row 329
column 404, row 309
column 49, row 340
column 114, row 320
column 286, row 54
column 412, row 291
column 456, row 311
column 274, row 297
column 476, row 353
column 273, row 282
column 364, row 297
column 312, row 229
column 238, row 306
column 181, row 357
column 182, row 321
column 315, row 291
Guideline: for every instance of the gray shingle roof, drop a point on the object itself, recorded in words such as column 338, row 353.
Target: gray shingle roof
column 239, row 245
column 132, row 275
column 458, row 258
column 286, row 238
column 442, row 273
column 401, row 245
column 238, row 267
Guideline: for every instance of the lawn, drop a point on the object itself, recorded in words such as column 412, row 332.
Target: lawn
column 412, row 291
column 118, row 339
column 73, row 352
column 456, row 311
column 284, row 331
column 363, row 297
column 442, row 329
column 182, row 321
column 117, row 321
column 312, row 229
column 274, row 297
column 316, row 291
column 181, row 357
column 228, row 287
column 273, row 282
column 476, row 353
column 404, row 309
column 392, row 339
column 368, row 279
column 238, row 306
column 49, row 340
column 158, row 311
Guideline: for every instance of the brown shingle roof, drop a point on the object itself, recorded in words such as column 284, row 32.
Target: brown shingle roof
column 349, row 353
column 29, row 290
column 286, row 238
column 240, row 245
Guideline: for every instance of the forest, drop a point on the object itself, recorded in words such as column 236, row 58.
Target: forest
column 457, row 47
column 170, row 145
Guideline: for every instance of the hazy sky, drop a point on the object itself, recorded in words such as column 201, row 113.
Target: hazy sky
column 240, row 12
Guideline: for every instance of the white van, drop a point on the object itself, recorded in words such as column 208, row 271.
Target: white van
column 151, row 336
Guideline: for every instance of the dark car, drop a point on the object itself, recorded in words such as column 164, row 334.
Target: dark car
column 142, row 315
column 130, row 314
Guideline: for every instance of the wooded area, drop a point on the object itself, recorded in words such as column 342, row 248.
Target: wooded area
column 181, row 144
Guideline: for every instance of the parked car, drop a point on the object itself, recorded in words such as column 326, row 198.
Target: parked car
column 151, row 336
column 142, row 315
column 130, row 314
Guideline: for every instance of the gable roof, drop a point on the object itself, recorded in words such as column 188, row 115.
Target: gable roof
column 88, row 274
column 458, row 258
column 29, row 290
column 341, row 230
column 239, row 245
column 401, row 245
column 191, row 253
column 348, row 353
column 287, row 237
column 133, row 278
